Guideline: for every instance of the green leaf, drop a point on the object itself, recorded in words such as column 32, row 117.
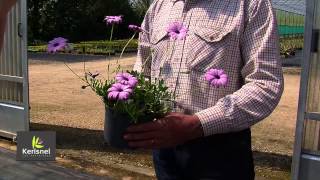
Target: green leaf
column 37, row 140
column 38, row 146
column 33, row 142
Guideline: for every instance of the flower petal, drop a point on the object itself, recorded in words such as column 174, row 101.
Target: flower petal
column 113, row 95
column 223, row 81
column 128, row 90
column 209, row 77
column 123, row 96
column 220, row 71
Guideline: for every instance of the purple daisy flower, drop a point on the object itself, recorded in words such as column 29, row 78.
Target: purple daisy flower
column 127, row 79
column 135, row 28
column 113, row 19
column 57, row 44
column 119, row 91
column 216, row 77
column 177, row 30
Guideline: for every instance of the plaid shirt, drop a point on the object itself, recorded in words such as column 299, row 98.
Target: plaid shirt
column 238, row 36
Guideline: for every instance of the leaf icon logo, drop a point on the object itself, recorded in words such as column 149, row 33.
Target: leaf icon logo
column 37, row 143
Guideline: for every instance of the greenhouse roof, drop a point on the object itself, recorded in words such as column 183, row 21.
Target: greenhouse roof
column 294, row 6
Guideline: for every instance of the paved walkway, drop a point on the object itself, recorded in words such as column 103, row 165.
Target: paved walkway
column 10, row 169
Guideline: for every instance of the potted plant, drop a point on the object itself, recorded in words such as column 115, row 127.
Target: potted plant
column 129, row 98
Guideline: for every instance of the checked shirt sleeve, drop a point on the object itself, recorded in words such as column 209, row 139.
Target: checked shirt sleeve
column 261, row 72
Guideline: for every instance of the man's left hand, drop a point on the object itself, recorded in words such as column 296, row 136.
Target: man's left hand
column 170, row 131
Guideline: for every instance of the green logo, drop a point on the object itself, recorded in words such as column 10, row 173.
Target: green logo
column 37, row 143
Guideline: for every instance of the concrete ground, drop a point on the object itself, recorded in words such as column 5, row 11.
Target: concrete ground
column 10, row 169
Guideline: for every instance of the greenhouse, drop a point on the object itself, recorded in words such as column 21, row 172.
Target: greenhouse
column 290, row 16
column 291, row 20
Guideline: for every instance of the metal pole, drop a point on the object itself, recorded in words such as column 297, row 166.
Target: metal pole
column 303, row 89
column 24, row 59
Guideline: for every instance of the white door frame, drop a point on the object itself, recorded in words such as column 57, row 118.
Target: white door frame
column 14, row 113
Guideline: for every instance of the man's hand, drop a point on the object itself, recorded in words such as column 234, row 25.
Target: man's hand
column 172, row 130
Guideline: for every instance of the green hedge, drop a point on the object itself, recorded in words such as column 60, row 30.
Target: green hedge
column 94, row 47
column 288, row 46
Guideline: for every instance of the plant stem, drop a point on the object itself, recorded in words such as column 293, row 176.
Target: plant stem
column 84, row 80
column 124, row 48
column 178, row 76
column 111, row 34
column 108, row 69
column 84, row 64
column 74, row 72
column 172, row 49
column 144, row 64
column 127, row 45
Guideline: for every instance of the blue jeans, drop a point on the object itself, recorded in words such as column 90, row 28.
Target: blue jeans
column 218, row 157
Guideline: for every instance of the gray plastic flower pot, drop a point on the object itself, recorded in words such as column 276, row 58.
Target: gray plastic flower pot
column 115, row 126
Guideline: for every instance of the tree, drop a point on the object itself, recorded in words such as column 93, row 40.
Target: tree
column 77, row 20
column 35, row 12
column 140, row 6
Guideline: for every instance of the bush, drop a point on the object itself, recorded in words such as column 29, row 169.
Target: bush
column 94, row 47
column 289, row 46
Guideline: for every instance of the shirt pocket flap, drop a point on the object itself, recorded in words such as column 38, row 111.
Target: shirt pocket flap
column 212, row 34
column 158, row 36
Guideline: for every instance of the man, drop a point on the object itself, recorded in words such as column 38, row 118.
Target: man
column 5, row 6
column 209, row 137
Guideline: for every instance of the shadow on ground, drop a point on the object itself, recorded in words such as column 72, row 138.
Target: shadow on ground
column 86, row 139
column 294, row 61
column 79, row 139
column 276, row 161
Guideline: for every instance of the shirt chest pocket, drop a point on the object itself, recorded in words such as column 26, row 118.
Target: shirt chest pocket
column 159, row 46
column 207, row 47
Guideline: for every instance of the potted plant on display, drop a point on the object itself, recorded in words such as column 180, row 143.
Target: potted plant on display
column 129, row 97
